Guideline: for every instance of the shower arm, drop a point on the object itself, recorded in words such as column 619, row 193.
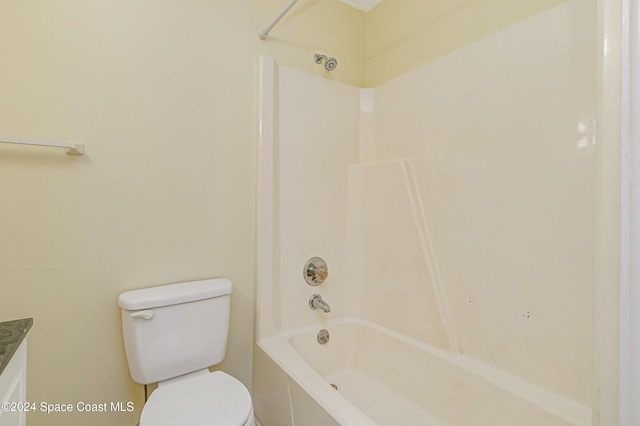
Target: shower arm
column 265, row 32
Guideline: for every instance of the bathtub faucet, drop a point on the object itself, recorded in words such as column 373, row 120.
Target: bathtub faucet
column 316, row 302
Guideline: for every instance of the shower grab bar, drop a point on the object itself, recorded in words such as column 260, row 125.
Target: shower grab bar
column 70, row 148
column 265, row 32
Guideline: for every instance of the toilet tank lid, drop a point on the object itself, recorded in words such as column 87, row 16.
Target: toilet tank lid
column 173, row 294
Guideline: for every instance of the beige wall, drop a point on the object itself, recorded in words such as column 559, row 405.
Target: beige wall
column 163, row 95
column 404, row 34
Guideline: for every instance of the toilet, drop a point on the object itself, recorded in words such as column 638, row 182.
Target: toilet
column 172, row 334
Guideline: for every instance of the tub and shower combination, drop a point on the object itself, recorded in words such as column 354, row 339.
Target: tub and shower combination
column 369, row 375
column 457, row 292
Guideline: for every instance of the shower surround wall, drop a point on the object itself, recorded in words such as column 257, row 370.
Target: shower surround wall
column 501, row 137
column 453, row 205
column 316, row 123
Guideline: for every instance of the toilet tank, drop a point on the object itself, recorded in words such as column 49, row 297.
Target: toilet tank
column 175, row 329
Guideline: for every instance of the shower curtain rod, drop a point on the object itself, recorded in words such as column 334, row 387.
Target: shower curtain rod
column 265, row 32
column 70, row 148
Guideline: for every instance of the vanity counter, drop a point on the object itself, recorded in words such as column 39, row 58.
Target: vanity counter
column 12, row 333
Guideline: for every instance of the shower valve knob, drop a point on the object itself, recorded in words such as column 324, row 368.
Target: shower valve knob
column 315, row 271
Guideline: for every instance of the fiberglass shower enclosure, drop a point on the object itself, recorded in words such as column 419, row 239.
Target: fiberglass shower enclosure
column 453, row 205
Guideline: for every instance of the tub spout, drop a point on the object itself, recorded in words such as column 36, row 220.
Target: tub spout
column 316, row 302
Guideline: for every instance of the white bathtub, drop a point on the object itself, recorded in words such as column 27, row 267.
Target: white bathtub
column 387, row 379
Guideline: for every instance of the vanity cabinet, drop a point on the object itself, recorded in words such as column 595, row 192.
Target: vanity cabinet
column 13, row 388
column 13, row 372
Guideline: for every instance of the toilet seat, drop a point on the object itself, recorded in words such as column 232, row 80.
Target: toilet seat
column 213, row 399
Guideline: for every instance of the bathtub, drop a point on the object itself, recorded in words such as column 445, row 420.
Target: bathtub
column 380, row 377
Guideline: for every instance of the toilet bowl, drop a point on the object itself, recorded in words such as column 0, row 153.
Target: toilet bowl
column 211, row 399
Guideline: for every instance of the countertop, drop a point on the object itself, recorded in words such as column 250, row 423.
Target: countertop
column 12, row 333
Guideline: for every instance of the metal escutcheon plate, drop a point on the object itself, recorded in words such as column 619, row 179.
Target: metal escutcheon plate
column 315, row 271
column 323, row 336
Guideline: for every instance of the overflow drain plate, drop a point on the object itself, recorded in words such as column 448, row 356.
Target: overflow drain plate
column 323, row 336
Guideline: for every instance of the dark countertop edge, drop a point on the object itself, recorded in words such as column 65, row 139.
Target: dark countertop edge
column 12, row 344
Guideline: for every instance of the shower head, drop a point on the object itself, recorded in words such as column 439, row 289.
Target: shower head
column 329, row 63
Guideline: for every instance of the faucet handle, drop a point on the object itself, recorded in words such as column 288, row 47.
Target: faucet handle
column 315, row 271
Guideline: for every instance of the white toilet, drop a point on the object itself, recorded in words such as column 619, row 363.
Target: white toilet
column 172, row 333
